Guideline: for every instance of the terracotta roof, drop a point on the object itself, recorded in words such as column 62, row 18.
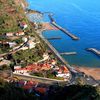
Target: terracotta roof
column 41, row 90
column 27, row 86
column 23, row 23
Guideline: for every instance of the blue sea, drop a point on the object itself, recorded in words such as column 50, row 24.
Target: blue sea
column 80, row 17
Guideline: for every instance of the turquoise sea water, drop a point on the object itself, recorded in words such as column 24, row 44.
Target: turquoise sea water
column 82, row 18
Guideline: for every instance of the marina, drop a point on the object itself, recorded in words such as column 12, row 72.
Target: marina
column 80, row 23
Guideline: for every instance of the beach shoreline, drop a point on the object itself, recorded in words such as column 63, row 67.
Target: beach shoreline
column 94, row 72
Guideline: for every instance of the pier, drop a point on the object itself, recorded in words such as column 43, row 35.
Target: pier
column 94, row 50
column 68, row 53
column 62, row 29
column 53, row 38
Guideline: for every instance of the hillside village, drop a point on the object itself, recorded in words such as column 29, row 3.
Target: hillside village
column 21, row 48
column 28, row 67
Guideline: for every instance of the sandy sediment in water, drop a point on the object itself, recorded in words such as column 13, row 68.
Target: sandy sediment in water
column 48, row 26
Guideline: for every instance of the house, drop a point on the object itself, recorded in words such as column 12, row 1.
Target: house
column 1, row 58
column 21, row 70
column 12, row 44
column 64, row 69
column 24, row 39
column 45, row 56
column 45, row 66
column 31, row 38
column 19, row 33
column 64, row 75
column 9, row 34
column 35, row 25
column 23, row 25
column 63, row 72
column 53, row 62
column 17, row 67
column 31, row 44
column 41, row 90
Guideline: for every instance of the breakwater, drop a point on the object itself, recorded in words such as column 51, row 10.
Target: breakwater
column 95, row 51
column 68, row 53
column 62, row 29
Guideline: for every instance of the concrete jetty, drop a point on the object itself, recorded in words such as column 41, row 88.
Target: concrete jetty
column 53, row 38
column 68, row 53
column 62, row 29
column 94, row 50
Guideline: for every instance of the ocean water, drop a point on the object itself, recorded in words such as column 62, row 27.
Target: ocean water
column 80, row 17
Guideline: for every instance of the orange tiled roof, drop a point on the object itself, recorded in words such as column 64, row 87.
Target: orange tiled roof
column 41, row 90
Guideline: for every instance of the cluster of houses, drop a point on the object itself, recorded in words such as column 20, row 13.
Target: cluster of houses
column 22, row 25
column 8, row 44
column 11, row 34
column 31, row 86
column 61, row 71
column 30, row 43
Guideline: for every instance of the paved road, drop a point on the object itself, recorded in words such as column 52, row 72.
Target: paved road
column 74, row 74
column 87, row 79
column 38, row 79
column 14, row 51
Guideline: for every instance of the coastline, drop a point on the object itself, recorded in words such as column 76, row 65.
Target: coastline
column 94, row 72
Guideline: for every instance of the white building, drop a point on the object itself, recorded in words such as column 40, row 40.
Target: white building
column 12, row 44
column 9, row 34
column 24, row 39
column 64, row 75
column 31, row 44
column 17, row 67
column 19, row 33
column 45, row 56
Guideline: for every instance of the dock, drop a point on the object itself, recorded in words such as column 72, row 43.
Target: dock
column 94, row 50
column 62, row 29
column 68, row 53
column 53, row 38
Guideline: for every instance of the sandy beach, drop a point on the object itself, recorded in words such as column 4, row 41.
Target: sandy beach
column 48, row 26
column 94, row 72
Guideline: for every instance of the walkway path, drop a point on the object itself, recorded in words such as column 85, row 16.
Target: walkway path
column 38, row 79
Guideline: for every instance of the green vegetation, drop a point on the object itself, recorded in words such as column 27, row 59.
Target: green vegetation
column 26, row 57
column 11, row 13
column 5, row 67
column 9, row 91
column 18, row 41
column 46, row 74
column 4, row 48
column 37, row 74
column 73, row 92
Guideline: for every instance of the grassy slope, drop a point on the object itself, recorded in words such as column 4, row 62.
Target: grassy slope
column 10, row 14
